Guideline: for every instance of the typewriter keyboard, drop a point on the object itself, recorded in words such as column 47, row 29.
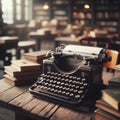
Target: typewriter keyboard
column 60, row 87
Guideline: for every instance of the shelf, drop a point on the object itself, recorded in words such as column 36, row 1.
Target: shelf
column 107, row 14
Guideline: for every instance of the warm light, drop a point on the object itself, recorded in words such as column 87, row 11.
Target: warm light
column 45, row 6
column 86, row 6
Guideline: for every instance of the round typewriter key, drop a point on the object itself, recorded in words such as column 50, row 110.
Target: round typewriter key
column 42, row 87
column 78, row 79
column 51, row 77
column 78, row 83
column 63, row 79
column 71, row 90
column 71, row 94
column 73, row 86
column 59, row 91
column 58, row 83
column 74, row 82
column 63, row 75
column 55, row 78
column 70, row 77
column 63, row 92
column 55, row 74
column 42, row 75
column 64, row 88
column 60, row 87
column 59, row 75
column 48, row 73
column 77, row 96
column 70, row 81
column 80, row 91
column 74, row 78
column 47, row 80
column 56, row 90
column 62, row 83
column 52, row 73
column 81, row 82
column 83, row 79
column 57, row 86
column 75, row 91
column 82, row 87
column 67, row 93
column 53, row 85
column 54, row 81
column 52, row 89
column 66, row 84
column 85, row 84
column 77, row 87
column 67, row 76
column 45, row 88
column 66, row 80
column 48, row 88
column 46, row 84
column 49, row 85
column 51, row 81
column 48, row 76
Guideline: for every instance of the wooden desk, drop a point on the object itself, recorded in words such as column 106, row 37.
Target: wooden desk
column 24, row 104
column 21, row 101
column 66, row 40
column 6, row 43
column 41, row 38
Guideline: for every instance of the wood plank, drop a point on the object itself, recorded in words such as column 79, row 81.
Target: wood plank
column 11, row 94
column 21, row 100
column 46, row 110
column 31, row 105
column 4, row 86
column 67, row 114
column 39, row 107
column 51, row 111
column 61, row 114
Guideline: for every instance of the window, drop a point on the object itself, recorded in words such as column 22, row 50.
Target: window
column 7, row 10
column 16, row 10
column 27, row 10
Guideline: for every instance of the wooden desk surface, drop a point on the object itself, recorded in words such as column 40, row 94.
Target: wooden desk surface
column 8, row 39
column 19, row 99
column 66, row 39
column 38, row 35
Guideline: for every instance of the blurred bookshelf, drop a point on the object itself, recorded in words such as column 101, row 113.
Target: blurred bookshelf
column 60, row 12
column 99, row 13
column 107, row 14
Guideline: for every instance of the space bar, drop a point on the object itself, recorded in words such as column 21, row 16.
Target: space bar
column 54, row 94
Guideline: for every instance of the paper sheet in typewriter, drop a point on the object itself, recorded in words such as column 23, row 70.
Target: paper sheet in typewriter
column 83, row 50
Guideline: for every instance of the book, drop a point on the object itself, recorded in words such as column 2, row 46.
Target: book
column 112, row 97
column 114, row 82
column 21, row 81
column 107, row 107
column 25, row 65
column 13, row 72
column 103, row 115
column 37, row 56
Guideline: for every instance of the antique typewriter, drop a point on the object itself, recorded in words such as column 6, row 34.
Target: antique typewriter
column 69, row 74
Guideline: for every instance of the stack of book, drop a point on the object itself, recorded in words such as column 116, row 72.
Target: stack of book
column 37, row 56
column 108, row 107
column 22, row 72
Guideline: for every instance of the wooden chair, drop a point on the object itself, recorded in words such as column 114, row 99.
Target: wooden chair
column 95, row 41
column 110, row 65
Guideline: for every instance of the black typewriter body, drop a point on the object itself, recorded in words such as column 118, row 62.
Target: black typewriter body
column 68, row 78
